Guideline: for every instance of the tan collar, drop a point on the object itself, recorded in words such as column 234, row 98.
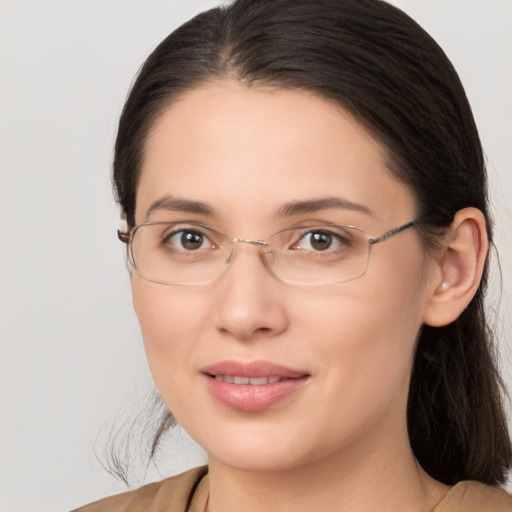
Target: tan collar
column 199, row 500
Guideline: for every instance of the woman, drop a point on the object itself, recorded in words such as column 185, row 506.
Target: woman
column 305, row 198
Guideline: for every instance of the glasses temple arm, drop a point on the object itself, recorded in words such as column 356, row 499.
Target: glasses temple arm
column 394, row 231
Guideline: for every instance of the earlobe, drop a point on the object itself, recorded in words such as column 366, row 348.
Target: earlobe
column 460, row 265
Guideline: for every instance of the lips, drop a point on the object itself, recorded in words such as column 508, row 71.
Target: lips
column 253, row 386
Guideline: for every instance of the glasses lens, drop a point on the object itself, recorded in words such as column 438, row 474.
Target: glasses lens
column 176, row 253
column 320, row 255
column 191, row 254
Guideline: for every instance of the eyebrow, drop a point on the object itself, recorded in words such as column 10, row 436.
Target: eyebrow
column 316, row 205
column 173, row 204
column 169, row 203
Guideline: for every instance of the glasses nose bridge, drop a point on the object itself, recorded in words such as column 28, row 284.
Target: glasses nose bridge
column 259, row 243
column 262, row 244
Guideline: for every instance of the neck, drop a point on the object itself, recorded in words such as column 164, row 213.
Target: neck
column 384, row 477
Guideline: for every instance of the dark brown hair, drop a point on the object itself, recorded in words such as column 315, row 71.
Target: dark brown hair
column 376, row 62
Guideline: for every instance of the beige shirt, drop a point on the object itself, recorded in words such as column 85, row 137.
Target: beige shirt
column 188, row 492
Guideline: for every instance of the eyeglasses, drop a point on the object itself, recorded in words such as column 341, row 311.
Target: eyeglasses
column 192, row 254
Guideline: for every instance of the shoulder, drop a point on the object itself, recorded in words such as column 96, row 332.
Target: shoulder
column 170, row 495
column 469, row 496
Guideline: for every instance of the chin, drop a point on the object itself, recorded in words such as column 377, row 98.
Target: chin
column 258, row 447
column 258, row 460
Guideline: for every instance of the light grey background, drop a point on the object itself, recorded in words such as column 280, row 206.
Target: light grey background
column 71, row 356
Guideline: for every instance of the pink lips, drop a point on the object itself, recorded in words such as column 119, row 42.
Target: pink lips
column 252, row 397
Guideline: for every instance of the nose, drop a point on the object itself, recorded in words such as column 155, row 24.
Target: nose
column 249, row 304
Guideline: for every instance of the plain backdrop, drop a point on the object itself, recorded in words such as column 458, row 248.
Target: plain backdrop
column 71, row 356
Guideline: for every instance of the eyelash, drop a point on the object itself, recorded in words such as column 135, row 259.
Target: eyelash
column 297, row 244
column 167, row 237
column 336, row 238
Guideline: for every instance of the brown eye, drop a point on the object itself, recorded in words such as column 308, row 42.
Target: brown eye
column 187, row 240
column 191, row 241
column 320, row 241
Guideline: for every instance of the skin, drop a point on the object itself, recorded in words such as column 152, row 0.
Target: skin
column 342, row 439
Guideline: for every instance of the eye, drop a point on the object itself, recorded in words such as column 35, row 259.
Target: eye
column 188, row 240
column 319, row 240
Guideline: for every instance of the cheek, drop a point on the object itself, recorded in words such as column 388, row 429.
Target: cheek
column 171, row 319
column 365, row 334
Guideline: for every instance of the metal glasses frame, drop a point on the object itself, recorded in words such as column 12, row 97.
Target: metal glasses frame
column 127, row 237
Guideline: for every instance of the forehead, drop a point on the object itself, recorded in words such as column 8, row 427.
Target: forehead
column 247, row 151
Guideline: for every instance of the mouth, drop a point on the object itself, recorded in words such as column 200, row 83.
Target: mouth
column 253, row 381
column 253, row 386
column 242, row 372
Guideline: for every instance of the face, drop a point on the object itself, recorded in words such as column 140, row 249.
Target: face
column 343, row 351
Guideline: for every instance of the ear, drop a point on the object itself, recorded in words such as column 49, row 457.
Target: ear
column 459, row 268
